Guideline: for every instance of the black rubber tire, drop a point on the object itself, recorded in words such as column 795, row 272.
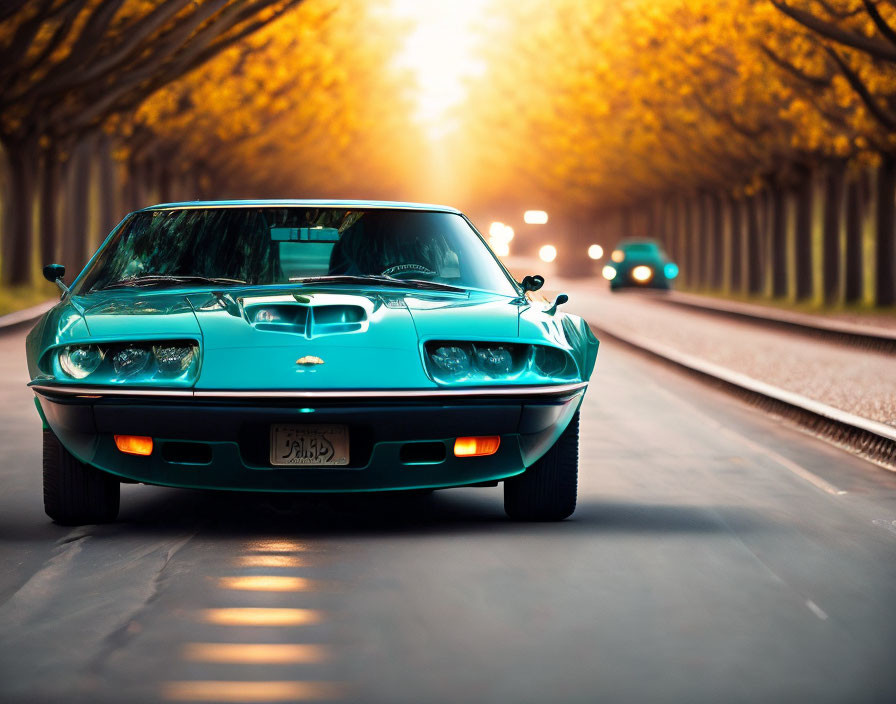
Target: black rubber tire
column 547, row 490
column 76, row 493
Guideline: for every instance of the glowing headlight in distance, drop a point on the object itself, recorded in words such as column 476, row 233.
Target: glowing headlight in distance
column 642, row 273
column 493, row 359
column 80, row 361
column 173, row 359
column 618, row 256
column 548, row 253
column 130, row 360
column 452, row 359
column 609, row 272
column 671, row 270
column 595, row 251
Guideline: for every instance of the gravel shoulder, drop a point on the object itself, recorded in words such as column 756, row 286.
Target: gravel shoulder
column 857, row 381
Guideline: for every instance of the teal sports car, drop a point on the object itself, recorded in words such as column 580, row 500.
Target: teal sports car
column 305, row 346
column 639, row 263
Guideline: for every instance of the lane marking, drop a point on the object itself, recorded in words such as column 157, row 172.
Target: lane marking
column 884, row 523
column 256, row 653
column 235, row 691
column 260, row 616
column 816, row 609
column 267, row 583
column 789, row 465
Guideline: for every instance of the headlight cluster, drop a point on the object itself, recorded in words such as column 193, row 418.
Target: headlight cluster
column 129, row 363
column 491, row 362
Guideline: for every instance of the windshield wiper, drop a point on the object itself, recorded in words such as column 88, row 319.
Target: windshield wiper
column 378, row 280
column 163, row 279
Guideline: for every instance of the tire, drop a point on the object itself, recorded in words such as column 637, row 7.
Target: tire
column 76, row 493
column 546, row 491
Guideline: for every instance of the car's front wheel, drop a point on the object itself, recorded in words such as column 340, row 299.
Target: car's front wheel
column 76, row 493
column 546, row 491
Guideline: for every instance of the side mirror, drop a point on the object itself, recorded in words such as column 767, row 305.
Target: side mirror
column 53, row 272
column 559, row 301
column 532, row 283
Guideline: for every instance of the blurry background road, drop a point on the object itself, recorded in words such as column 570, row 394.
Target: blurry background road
column 715, row 555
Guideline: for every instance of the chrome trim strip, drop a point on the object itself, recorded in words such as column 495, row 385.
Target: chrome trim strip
column 101, row 391
column 490, row 392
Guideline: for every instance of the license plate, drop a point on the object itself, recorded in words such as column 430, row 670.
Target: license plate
column 318, row 445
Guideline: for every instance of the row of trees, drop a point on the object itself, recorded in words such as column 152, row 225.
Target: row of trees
column 109, row 105
column 738, row 101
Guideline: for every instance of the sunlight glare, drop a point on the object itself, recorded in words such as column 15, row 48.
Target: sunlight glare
column 441, row 51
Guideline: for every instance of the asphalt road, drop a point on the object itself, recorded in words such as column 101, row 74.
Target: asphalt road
column 716, row 556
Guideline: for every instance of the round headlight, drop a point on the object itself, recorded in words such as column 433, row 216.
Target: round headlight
column 130, row 360
column 493, row 360
column 79, row 361
column 618, row 256
column 452, row 359
column 548, row 361
column 671, row 270
column 173, row 359
column 609, row 272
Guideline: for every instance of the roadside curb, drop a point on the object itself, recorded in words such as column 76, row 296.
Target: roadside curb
column 870, row 439
column 22, row 317
column 865, row 336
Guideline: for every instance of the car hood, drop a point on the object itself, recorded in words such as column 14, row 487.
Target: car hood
column 339, row 338
column 342, row 338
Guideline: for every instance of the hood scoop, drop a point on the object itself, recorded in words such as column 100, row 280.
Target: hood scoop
column 306, row 315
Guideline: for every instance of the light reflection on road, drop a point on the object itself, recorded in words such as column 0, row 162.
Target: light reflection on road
column 259, row 671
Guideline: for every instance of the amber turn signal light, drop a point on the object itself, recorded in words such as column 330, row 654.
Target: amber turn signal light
column 134, row 444
column 476, row 447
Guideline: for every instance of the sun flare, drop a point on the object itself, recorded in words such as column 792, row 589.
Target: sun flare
column 441, row 50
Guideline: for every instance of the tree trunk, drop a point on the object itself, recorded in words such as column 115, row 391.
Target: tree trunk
column 687, row 243
column 803, row 239
column 885, row 267
column 18, row 235
column 108, row 177
column 134, row 185
column 854, row 279
column 779, row 241
column 163, row 174
column 735, row 248
column 833, row 214
column 701, row 254
column 74, row 245
column 671, row 227
column 48, row 234
column 716, row 244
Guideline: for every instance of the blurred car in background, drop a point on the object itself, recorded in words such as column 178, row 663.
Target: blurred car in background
column 640, row 263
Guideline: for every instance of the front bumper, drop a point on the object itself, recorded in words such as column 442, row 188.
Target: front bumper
column 232, row 429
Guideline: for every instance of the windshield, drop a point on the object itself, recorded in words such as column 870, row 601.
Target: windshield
column 640, row 247
column 282, row 245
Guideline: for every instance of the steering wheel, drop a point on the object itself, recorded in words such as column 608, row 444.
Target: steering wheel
column 408, row 271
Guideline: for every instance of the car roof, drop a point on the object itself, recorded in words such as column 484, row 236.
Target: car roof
column 299, row 203
column 637, row 240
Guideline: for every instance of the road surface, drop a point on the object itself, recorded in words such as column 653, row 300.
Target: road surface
column 716, row 556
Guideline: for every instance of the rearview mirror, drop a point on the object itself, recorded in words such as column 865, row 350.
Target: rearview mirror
column 53, row 272
column 532, row 283
column 559, row 301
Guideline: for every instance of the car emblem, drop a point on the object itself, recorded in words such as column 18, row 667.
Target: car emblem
column 309, row 360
